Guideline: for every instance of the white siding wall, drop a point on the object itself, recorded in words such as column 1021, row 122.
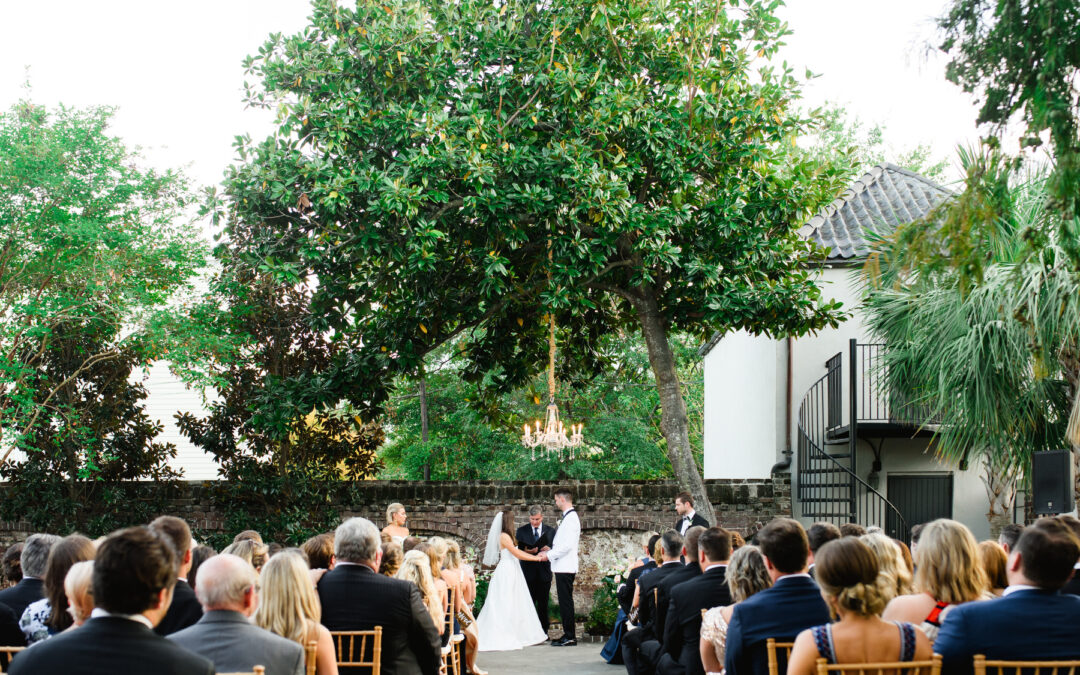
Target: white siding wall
column 168, row 396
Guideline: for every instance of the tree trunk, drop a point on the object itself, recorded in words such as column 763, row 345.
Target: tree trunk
column 673, row 419
column 424, row 422
column 1001, row 495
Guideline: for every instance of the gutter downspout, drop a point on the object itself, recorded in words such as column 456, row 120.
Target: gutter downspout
column 786, row 462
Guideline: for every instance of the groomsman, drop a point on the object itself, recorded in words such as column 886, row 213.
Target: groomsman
column 533, row 538
column 684, row 506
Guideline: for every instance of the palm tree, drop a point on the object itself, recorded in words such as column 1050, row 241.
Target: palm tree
column 982, row 318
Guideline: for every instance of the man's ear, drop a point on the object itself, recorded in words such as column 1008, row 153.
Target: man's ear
column 1015, row 561
column 701, row 556
column 187, row 557
column 768, row 563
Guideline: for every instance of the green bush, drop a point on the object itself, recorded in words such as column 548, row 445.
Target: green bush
column 605, row 609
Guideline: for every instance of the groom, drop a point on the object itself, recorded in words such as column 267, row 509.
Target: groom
column 564, row 563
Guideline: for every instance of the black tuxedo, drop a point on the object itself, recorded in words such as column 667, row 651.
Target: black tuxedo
column 682, row 631
column 638, row 658
column 22, row 594
column 106, row 646
column 696, row 521
column 354, row 597
column 184, row 611
column 10, row 633
column 667, row 584
column 537, row 574
column 626, row 590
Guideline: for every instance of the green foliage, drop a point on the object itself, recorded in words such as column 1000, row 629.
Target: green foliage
column 477, row 435
column 605, row 608
column 95, row 256
column 867, row 147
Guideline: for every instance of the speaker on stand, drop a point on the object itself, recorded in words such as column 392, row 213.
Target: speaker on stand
column 1052, row 482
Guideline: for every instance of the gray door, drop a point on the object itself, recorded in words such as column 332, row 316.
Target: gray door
column 920, row 498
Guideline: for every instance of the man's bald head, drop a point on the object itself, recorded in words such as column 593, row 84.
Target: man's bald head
column 227, row 582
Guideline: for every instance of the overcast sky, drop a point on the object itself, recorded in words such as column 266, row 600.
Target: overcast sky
column 174, row 68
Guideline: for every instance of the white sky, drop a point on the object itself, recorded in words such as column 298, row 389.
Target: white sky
column 174, row 68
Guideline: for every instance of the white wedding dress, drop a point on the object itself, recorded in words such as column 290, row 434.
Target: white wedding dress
column 508, row 619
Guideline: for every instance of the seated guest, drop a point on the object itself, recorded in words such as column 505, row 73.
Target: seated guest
column 355, row 597
column 289, row 607
column 893, row 573
column 947, row 572
column 634, row 658
column 682, row 632
column 320, row 551
column 1072, row 586
column 905, row 554
column 228, row 591
column 852, row 530
column 1009, row 535
column 80, row 592
column 134, row 572
column 12, row 565
column 993, row 560
column 792, row 604
column 273, row 548
column 250, row 550
column 1032, row 621
column 737, row 540
column 690, row 570
column 818, row 535
column 199, row 555
column 32, row 560
column 248, row 535
column 634, row 569
column 916, row 533
column 409, row 544
column 746, row 575
column 185, row 609
column 50, row 615
column 10, row 633
column 850, row 582
column 392, row 555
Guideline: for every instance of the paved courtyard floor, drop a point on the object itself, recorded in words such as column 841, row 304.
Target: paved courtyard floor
column 584, row 659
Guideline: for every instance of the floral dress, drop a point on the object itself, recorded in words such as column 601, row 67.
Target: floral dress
column 34, row 621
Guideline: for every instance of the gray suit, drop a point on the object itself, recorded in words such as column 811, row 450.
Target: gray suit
column 234, row 644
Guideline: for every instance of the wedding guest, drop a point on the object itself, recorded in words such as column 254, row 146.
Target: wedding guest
column 134, row 572
column 792, row 604
column 199, row 555
column 850, row 582
column 392, row 555
column 395, row 523
column 893, row 573
column 916, row 533
column 320, row 551
column 50, row 615
column 355, row 597
column 737, row 540
column 1072, row 586
column 818, row 535
column 688, row 517
column 416, row 568
column 947, row 572
column 10, row 633
column 250, row 550
column 248, row 535
column 289, row 607
column 746, row 576
column 32, row 560
column 273, row 548
column 690, row 570
column 993, row 560
column 641, row 647
column 409, row 544
column 852, row 530
column 12, row 565
column 905, row 556
column 80, row 592
column 1032, row 621
column 229, row 593
column 635, row 567
column 1009, row 535
column 185, row 609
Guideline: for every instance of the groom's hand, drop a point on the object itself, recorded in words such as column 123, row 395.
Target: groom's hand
column 543, row 556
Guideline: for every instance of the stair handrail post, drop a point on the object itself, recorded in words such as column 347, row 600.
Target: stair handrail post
column 853, row 406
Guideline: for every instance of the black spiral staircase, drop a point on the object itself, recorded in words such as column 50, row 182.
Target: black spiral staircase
column 830, row 488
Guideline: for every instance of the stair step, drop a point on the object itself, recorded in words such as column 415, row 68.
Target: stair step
column 818, row 472
column 828, row 514
column 826, row 500
column 804, row 484
column 839, row 455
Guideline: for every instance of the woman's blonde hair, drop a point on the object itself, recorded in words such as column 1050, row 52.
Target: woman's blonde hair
column 848, row 572
column 440, row 546
column 288, row 605
column 391, row 510
column 453, row 554
column 250, row 550
column 78, row 588
column 746, row 573
column 947, row 563
column 893, row 573
column 416, row 567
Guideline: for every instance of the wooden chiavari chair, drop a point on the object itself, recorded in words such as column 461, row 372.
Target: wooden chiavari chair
column 6, row 654
column 981, row 664
column 931, row 667
column 451, row 654
column 347, row 654
column 773, row 645
column 310, row 650
column 255, row 670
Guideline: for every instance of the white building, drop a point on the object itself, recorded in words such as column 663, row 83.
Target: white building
column 788, row 402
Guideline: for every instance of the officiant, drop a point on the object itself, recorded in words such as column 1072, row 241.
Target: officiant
column 533, row 538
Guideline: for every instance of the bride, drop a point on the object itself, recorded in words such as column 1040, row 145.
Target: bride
column 508, row 619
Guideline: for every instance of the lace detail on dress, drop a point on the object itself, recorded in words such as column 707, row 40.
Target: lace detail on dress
column 714, row 629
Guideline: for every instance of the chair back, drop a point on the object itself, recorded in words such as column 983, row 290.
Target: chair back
column 774, row 648
column 310, row 651
column 6, row 654
column 451, row 656
column 346, row 643
column 1026, row 667
column 930, row 667
column 255, row 670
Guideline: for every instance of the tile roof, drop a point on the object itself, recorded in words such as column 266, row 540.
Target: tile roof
column 883, row 198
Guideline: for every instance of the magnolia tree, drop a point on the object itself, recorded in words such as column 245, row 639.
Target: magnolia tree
column 464, row 169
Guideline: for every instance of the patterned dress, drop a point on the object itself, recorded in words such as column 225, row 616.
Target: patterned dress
column 827, row 650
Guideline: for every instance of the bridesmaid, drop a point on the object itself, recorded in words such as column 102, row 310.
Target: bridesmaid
column 395, row 523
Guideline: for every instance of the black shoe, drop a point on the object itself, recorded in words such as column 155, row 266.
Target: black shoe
column 564, row 642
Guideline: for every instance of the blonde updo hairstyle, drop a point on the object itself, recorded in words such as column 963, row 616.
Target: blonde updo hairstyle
column 947, row 563
column 847, row 571
column 453, row 554
column 391, row 510
column 893, row 574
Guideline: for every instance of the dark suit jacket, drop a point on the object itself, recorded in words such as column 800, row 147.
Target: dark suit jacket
column 535, row 572
column 626, row 590
column 680, row 576
column 184, row 611
column 22, row 594
column 792, row 605
column 354, row 597
column 697, row 520
column 235, row 645
column 683, row 628
column 1026, row 624
column 1072, row 586
column 647, row 614
column 10, row 633
column 107, row 646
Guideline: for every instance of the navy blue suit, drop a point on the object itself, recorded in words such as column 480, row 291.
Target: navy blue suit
column 1024, row 625
column 789, row 607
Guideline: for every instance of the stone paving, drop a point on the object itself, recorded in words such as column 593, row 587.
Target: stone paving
column 584, row 659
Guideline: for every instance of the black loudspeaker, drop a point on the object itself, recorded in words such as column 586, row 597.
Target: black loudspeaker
column 1052, row 482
